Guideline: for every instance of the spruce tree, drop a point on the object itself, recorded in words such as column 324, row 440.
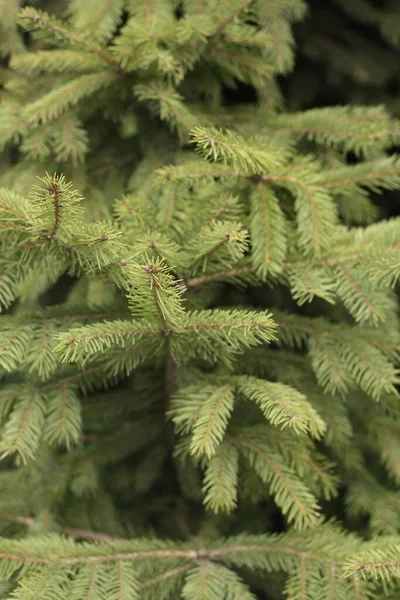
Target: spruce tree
column 199, row 333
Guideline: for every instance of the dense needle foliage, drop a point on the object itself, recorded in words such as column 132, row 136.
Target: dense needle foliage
column 199, row 336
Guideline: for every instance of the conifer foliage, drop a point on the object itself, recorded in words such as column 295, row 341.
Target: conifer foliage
column 199, row 335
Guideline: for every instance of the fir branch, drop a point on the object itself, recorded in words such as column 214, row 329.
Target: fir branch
column 51, row 105
column 268, row 232
column 23, row 430
column 233, row 549
column 380, row 564
column 231, row 148
column 57, row 61
column 316, row 213
column 81, row 342
column 282, row 405
column 221, row 26
column 374, row 175
column 290, row 493
column 101, row 27
column 219, row 335
column 220, row 483
column 349, row 128
column 220, row 244
column 33, row 19
column 211, row 422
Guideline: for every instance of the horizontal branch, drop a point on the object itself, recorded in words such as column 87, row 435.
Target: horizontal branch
column 194, row 281
column 360, row 179
column 191, row 554
column 73, row 532
column 49, row 25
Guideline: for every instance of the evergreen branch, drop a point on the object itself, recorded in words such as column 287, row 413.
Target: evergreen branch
column 57, row 61
column 340, row 355
column 23, row 429
column 14, row 206
column 385, row 269
column 268, row 232
column 32, row 19
column 243, row 64
column 191, row 354
column 51, row 105
column 220, row 484
column 221, row 26
column 271, row 553
column 374, row 175
column 63, row 426
column 282, row 405
column 220, row 244
column 82, row 342
column 212, row 420
column 290, row 493
column 99, row 559
column 300, row 458
column 55, row 207
column 329, row 367
column 218, row 335
column 307, row 282
column 167, row 103
column 359, row 297
column 207, row 320
column 242, row 548
column 358, row 254
column 127, row 212
column 14, row 345
column 153, row 292
column 379, row 564
column 350, row 128
column 194, row 170
column 97, row 21
column 186, row 405
column 79, row 377
column 316, row 213
column 230, row 148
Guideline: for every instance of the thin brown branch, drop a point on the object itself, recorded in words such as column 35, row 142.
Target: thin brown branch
column 221, row 275
column 69, row 531
column 55, row 194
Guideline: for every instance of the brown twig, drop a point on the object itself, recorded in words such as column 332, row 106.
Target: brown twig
column 73, row 532
column 55, row 191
